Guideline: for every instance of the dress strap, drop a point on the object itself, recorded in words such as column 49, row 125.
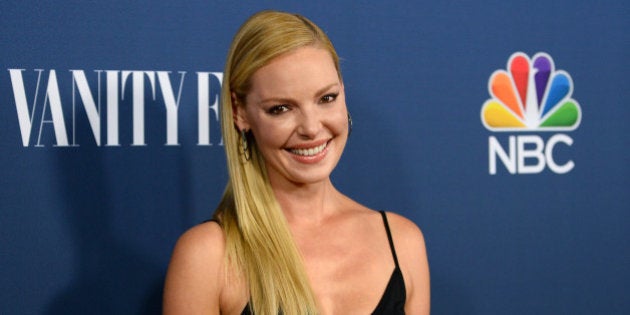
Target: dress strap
column 389, row 237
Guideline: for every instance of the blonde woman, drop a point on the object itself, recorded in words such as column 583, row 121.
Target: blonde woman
column 283, row 239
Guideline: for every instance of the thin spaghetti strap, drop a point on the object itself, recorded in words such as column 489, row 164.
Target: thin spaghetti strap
column 389, row 237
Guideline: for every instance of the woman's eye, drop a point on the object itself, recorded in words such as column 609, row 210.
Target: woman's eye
column 277, row 109
column 329, row 98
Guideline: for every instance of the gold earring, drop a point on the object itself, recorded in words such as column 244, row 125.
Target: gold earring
column 244, row 145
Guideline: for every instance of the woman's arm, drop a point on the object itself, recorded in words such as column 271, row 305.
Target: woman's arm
column 195, row 274
column 412, row 256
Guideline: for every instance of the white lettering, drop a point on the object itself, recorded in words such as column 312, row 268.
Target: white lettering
column 203, row 101
column 171, row 104
column 495, row 149
column 558, row 169
column 90, row 93
column 53, row 97
column 93, row 113
column 137, row 78
column 25, row 119
column 112, row 108
column 528, row 148
column 536, row 153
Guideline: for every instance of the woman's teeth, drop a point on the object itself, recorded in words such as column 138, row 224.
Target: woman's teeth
column 311, row 151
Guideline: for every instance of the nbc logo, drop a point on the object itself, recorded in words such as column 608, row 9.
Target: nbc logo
column 530, row 96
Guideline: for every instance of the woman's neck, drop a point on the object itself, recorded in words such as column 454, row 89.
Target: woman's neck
column 307, row 203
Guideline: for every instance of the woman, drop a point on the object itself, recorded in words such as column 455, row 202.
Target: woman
column 283, row 239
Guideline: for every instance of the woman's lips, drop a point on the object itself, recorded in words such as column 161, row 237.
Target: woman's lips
column 312, row 154
column 310, row 151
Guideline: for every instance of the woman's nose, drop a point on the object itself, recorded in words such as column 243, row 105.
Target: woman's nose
column 309, row 123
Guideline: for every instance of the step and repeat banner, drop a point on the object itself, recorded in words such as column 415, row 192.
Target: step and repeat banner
column 500, row 128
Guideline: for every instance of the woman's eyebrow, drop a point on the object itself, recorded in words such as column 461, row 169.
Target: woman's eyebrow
column 324, row 89
column 284, row 99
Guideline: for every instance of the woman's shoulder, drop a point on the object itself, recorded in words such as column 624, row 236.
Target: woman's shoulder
column 205, row 241
column 400, row 226
column 411, row 250
column 406, row 234
column 196, row 265
column 203, row 234
column 404, row 227
column 408, row 238
column 201, row 247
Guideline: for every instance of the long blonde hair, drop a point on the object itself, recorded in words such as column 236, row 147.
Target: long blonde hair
column 258, row 240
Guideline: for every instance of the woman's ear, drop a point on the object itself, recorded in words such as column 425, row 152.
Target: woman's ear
column 239, row 114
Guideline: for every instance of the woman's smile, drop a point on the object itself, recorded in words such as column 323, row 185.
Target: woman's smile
column 309, row 153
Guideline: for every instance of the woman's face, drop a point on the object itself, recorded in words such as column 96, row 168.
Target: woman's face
column 296, row 110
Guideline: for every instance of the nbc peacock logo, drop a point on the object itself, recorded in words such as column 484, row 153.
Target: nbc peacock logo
column 530, row 95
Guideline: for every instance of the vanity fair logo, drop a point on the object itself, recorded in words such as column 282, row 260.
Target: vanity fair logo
column 530, row 96
column 43, row 109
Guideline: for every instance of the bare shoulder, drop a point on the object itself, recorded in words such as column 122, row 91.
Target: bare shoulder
column 201, row 246
column 412, row 256
column 405, row 231
column 203, row 239
column 194, row 278
column 408, row 240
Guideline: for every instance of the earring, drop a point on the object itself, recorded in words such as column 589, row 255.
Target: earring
column 244, row 145
column 349, row 124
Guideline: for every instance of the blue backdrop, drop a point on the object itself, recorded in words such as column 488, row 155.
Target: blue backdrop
column 110, row 147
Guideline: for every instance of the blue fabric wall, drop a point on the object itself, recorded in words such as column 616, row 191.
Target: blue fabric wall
column 88, row 227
